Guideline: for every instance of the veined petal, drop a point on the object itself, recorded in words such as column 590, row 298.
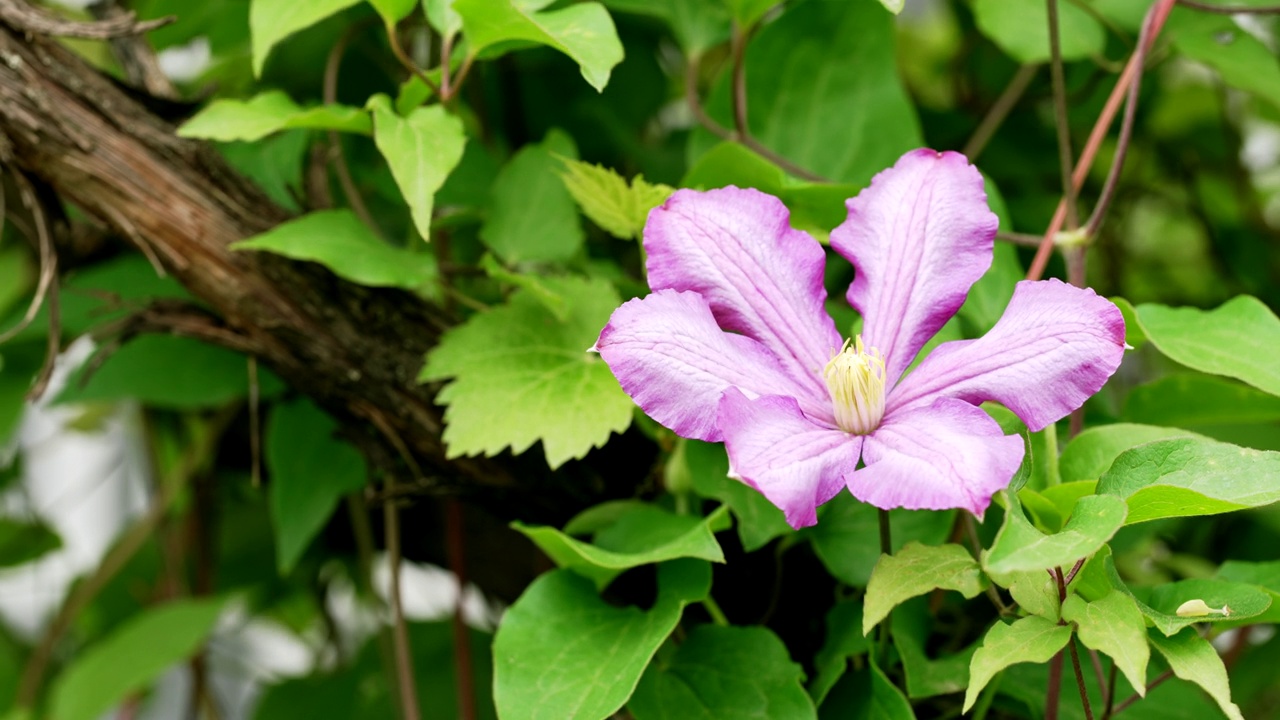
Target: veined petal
column 674, row 361
column 794, row 462
column 1055, row 346
column 762, row 278
column 946, row 455
column 918, row 237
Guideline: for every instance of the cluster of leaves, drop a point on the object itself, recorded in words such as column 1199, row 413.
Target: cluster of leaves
column 471, row 165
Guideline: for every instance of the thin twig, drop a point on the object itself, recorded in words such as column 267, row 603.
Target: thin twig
column 975, row 546
column 1231, row 9
column 1000, row 110
column 456, row 539
column 1084, row 693
column 1061, row 120
column 461, row 77
column 1023, row 239
column 330, row 95
column 48, row 286
column 738, row 52
column 406, row 61
column 1071, row 575
column 404, row 660
column 137, row 58
column 1135, row 697
column 1100, row 676
column 48, row 260
column 1110, row 692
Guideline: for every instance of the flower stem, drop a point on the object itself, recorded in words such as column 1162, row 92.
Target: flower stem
column 1060, row 115
column 400, row 632
column 713, row 609
column 1000, row 110
column 1075, row 665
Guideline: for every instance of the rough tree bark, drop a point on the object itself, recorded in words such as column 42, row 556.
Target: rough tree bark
column 355, row 350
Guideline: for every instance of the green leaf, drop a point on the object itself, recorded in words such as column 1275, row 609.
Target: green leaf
column 1030, row 639
column 724, row 672
column 21, row 542
column 421, row 150
column 1196, row 400
column 640, row 535
column 442, row 17
column 1133, row 334
column 927, row 677
column 310, row 472
column 916, row 570
column 1089, row 455
column 1020, row 547
column 339, row 241
column 584, row 31
column 273, row 164
column 521, row 376
column 893, row 6
column 1193, row 659
column 843, row 640
column 747, row 12
column 19, row 364
column 131, row 657
column 1113, row 625
column 707, row 469
column 825, row 92
column 267, row 113
column 271, row 21
column 1034, row 591
column 1021, row 29
column 1265, row 575
column 1243, row 60
column 1191, row 476
column 606, row 199
column 562, row 652
column 847, row 536
column 170, row 372
column 697, row 24
column 393, row 11
column 1239, row 339
column 532, row 216
column 867, row 693
column 1242, row 602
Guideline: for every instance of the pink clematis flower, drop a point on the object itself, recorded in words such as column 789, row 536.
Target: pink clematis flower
column 734, row 344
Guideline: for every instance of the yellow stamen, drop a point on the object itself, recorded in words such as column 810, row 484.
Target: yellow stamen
column 855, row 379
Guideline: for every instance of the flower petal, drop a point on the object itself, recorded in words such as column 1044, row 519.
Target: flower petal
column 919, row 237
column 763, row 279
column 946, row 455
column 674, row 361
column 795, row 463
column 1054, row 346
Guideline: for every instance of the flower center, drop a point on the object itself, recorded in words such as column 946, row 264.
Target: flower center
column 855, row 379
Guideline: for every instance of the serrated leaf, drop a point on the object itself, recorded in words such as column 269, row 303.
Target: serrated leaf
column 1185, row 477
column 562, row 652
column 638, row 535
column 915, row 570
column 520, row 376
column 131, row 657
column 339, row 241
column 421, row 149
column 724, row 672
column 267, row 113
column 1091, row 452
column 604, row 196
column 584, row 32
column 531, row 215
column 1021, row 29
column 1113, row 625
column 1193, row 659
column 528, row 282
column 271, row 21
column 847, row 536
column 707, row 468
column 1030, row 639
column 393, row 11
column 1021, row 547
column 310, row 471
column 1239, row 339
column 21, row 542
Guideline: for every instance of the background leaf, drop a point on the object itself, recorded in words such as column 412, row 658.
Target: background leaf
column 1239, row 339
column 267, row 113
column 532, row 216
column 271, row 21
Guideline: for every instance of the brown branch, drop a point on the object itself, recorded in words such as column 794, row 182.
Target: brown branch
column 134, row 53
column 28, row 18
